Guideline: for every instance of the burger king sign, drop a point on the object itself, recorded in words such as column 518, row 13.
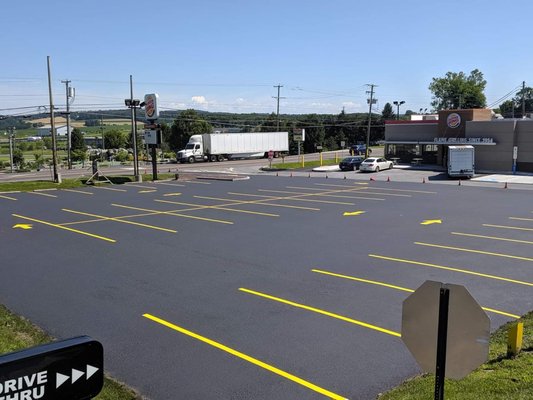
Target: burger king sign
column 150, row 106
column 453, row 121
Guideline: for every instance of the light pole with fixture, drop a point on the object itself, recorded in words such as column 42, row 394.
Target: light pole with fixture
column 132, row 104
column 398, row 104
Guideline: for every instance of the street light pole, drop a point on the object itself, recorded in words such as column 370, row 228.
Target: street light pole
column 11, row 137
column 57, row 178
column 133, row 104
column 398, row 104
column 370, row 102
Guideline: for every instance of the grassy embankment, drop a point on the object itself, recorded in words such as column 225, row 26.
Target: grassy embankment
column 500, row 378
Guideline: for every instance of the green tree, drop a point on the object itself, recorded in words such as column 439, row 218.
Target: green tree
column 114, row 138
column 186, row 124
column 513, row 108
column 18, row 157
column 388, row 112
column 457, row 90
column 76, row 140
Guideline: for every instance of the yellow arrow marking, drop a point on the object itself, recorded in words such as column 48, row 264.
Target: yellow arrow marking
column 23, row 226
column 347, row 214
column 431, row 221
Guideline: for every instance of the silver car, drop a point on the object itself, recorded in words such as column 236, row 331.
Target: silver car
column 375, row 164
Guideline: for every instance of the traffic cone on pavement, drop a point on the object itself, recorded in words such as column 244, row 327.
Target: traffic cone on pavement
column 505, row 187
column 388, row 178
column 459, row 183
column 372, row 179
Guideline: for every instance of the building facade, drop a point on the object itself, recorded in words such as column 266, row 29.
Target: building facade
column 502, row 145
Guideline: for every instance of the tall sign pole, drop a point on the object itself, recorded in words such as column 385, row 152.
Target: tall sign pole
column 152, row 132
column 370, row 102
column 134, row 133
column 57, row 178
column 69, row 140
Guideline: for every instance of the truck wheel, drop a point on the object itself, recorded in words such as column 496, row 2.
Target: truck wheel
column 212, row 158
column 191, row 159
column 220, row 158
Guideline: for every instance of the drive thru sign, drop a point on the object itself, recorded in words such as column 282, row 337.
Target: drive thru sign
column 458, row 323
column 71, row 369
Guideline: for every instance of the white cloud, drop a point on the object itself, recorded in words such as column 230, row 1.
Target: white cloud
column 199, row 100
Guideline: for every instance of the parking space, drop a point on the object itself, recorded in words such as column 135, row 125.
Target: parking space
column 273, row 287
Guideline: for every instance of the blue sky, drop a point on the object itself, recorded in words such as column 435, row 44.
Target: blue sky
column 228, row 55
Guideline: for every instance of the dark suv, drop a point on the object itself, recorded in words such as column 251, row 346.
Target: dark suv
column 350, row 163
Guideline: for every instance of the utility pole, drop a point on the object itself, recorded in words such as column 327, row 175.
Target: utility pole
column 133, row 104
column 11, row 146
column 277, row 97
column 370, row 102
column 69, row 142
column 57, row 178
column 523, row 99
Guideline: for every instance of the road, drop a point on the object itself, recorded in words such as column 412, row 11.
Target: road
column 263, row 288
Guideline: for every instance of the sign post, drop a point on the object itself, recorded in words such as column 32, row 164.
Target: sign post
column 152, row 133
column 446, row 331
column 71, row 369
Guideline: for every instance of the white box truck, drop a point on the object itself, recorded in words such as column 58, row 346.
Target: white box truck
column 225, row 146
column 461, row 161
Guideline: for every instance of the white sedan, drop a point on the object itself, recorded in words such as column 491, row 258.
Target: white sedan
column 375, row 164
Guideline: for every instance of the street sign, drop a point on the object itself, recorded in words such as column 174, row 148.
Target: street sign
column 270, row 154
column 71, row 369
column 468, row 329
column 152, row 136
column 299, row 135
column 150, row 106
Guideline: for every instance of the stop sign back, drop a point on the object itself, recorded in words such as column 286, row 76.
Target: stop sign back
column 468, row 329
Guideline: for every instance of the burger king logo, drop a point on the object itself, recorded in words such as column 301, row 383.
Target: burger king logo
column 453, row 120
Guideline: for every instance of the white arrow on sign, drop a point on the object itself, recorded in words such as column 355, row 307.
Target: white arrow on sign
column 76, row 375
column 60, row 379
column 91, row 370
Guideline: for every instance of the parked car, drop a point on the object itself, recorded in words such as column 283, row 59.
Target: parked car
column 351, row 163
column 375, row 164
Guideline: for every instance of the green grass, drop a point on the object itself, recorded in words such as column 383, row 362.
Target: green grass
column 501, row 378
column 308, row 164
column 71, row 183
column 17, row 333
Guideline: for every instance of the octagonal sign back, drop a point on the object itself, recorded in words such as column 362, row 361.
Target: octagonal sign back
column 468, row 329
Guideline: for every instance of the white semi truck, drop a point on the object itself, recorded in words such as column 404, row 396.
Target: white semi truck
column 461, row 161
column 225, row 146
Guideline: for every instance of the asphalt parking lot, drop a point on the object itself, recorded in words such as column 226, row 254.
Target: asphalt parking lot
column 266, row 288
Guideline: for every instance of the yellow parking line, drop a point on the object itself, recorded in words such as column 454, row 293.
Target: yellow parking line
column 299, row 195
column 403, row 190
column 200, row 183
column 337, row 195
column 174, row 213
column 7, row 197
column 170, row 184
column 141, row 186
column 109, row 188
column 319, row 311
column 263, row 202
column 388, row 285
column 508, row 227
column 343, row 186
column 43, row 194
column 521, row 219
column 463, row 271
column 201, row 207
column 492, row 237
column 365, row 191
column 65, row 228
column 77, row 191
column 245, row 357
column 487, row 253
column 118, row 219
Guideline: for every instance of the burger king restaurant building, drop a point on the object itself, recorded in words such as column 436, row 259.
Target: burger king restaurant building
column 501, row 145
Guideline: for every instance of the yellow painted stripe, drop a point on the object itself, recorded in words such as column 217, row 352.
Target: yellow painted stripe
column 353, row 278
column 487, row 253
column 508, row 227
column 384, row 194
column 118, row 219
column 141, row 186
column 66, row 229
column 323, row 312
column 493, row 238
column 170, row 184
column 176, row 214
column 201, row 207
column 43, row 194
column 388, row 285
column 200, row 183
column 246, row 357
column 343, row 186
column 7, row 198
column 404, row 190
column 77, row 191
column 264, row 202
column 463, row 271
column 337, row 195
column 147, row 191
column 109, row 188
column 171, row 194
column 299, row 195
column 521, row 219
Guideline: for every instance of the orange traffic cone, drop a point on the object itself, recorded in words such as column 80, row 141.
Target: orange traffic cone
column 505, row 187
column 388, row 178
column 344, row 176
column 372, row 179
column 459, row 183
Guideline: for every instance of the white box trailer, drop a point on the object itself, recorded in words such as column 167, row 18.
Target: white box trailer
column 461, row 161
column 220, row 146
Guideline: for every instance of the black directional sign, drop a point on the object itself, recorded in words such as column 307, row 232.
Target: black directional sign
column 71, row 369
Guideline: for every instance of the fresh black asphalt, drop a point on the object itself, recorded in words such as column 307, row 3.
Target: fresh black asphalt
column 70, row 283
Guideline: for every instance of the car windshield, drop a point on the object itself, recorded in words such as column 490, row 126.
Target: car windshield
column 189, row 146
column 369, row 160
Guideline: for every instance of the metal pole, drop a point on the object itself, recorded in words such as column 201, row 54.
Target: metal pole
column 369, row 119
column 277, row 109
column 69, row 140
column 11, row 148
column 134, row 133
column 57, row 179
column 442, row 337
